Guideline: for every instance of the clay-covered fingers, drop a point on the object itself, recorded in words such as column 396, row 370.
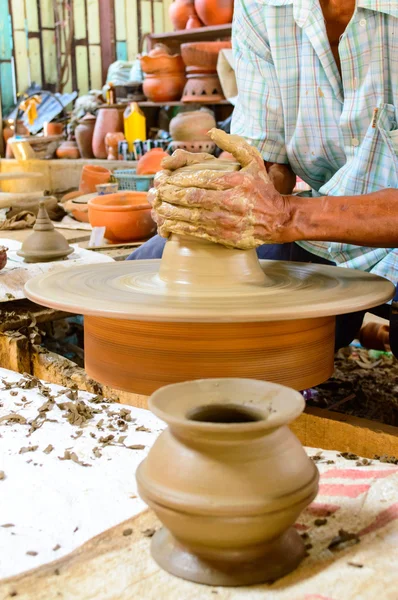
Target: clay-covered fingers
column 182, row 158
column 207, row 179
column 215, row 219
column 238, row 147
column 232, row 200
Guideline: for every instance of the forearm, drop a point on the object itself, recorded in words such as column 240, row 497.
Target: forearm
column 282, row 177
column 368, row 220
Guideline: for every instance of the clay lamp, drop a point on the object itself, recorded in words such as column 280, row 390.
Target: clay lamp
column 207, row 311
column 228, row 480
column 45, row 244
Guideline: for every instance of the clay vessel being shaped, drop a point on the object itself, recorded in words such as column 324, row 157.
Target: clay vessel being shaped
column 228, row 480
column 45, row 244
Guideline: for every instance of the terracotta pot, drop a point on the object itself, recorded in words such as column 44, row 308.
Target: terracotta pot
column 192, row 126
column 151, row 162
column 68, row 150
column 194, row 22
column 215, row 12
column 161, row 64
column 84, row 136
column 54, row 129
column 180, row 11
column 227, row 479
column 3, row 257
column 112, row 144
column 203, row 55
column 203, row 87
column 93, row 175
column 164, row 88
column 126, row 216
column 109, row 120
column 9, row 131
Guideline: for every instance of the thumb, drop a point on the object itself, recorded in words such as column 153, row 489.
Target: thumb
column 237, row 146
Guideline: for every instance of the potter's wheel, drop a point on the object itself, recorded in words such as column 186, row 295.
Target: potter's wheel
column 206, row 311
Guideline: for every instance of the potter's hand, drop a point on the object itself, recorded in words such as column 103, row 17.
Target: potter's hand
column 240, row 209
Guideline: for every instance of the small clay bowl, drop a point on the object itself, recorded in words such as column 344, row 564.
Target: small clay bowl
column 126, row 216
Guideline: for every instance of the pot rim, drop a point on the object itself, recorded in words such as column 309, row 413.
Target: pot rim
column 96, row 203
column 277, row 405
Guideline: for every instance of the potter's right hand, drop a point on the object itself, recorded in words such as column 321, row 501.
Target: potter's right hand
column 240, row 209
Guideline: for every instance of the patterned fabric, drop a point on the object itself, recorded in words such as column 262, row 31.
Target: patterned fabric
column 339, row 134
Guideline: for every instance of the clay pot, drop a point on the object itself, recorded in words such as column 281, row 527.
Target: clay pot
column 375, row 336
column 109, row 120
column 68, row 150
column 79, row 210
column 53, row 129
column 228, row 480
column 45, row 244
column 201, row 87
column 126, row 216
column 215, row 12
column 112, row 144
column 192, row 126
column 180, row 11
column 164, row 88
column 194, row 22
column 151, row 162
column 84, row 136
column 93, row 175
column 164, row 75
column 3, row 257
column 195, row 147
column 203, row 55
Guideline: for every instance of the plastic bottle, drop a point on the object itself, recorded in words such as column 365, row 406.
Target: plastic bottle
column 134, row 125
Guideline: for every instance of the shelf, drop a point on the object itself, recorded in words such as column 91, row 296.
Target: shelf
column 201, row 34
column 179, row 103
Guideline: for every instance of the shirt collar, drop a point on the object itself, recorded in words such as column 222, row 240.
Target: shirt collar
column 303, row 8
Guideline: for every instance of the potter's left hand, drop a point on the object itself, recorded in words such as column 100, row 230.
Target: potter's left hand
column 240, row 209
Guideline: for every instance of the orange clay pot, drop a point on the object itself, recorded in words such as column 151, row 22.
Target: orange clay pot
column 215, row 12
column 109, row 120
column 68, row 150
column 203, row 56
column 126, row 216
column 180, row 11
column 164, row 75
column 194, row 22
column 91, row 176
column 112, row 144
column 151, row 162
column 54, row 129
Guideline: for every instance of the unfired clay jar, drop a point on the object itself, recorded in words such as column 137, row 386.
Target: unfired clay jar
column 93, row 175
column 228, row 480
column 126, row 216
column 45, row 244
column 69, row 150
column 112, row 143
column 109, row 120
column 151, row 162
column 192, row 126
column 164, row 75
column 215, row 12
column 180, row 11
column 84, row 136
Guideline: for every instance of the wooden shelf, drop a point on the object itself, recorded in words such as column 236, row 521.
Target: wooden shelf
column 179, row 103
column 202, row 34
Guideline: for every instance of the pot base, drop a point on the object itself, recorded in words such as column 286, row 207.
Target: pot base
column 280, row 557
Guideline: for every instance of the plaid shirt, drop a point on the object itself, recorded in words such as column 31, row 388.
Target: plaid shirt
column 339, row 134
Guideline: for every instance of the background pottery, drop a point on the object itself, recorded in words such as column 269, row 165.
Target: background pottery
column 45, row 243
column 126, row 216
column 192, row 126
column 109, row 120
column 93, row 175
column 164, row 75
column 112, row 144
column 215, row 12
column 151, row 162
column 199, row 146
column 180, row 11
column 228, row 480
column 53, row 128
column 84, row 136
column 203, row 55
column 68, row 150
column 194, row 22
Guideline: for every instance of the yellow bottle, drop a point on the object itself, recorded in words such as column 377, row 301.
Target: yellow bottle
column 134, row 125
